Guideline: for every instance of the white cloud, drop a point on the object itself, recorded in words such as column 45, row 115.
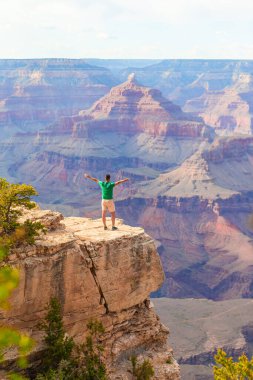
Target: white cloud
column 176, row 12
column 126, row 28
column 103, row 35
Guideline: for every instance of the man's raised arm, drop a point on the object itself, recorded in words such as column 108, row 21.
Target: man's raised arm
column 89, row 177
column 122, row 181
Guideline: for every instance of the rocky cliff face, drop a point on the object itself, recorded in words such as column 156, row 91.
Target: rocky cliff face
column 204, row 254
column 107, row 275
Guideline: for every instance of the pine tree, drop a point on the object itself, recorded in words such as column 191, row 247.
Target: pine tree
column 63, row 359
column 90, row 363
column 58, row 347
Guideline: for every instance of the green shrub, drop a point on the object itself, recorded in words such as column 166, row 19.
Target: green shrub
column 169, row 360
column 142, row 371
column 90, row 365
column 227, row 369
column 14, row 198
column 61, row 373
column 32, row 230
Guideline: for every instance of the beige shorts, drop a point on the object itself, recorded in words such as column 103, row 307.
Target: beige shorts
column 108, row 204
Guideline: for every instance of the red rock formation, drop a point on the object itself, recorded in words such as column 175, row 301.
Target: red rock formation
column 199, row 213
column 131, row 108
column 229, row 148
column 228, row 111
column 35, row 93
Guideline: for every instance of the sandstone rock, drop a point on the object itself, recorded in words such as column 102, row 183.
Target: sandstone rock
column 100, row 274
column 131, row 108
column 49, row 219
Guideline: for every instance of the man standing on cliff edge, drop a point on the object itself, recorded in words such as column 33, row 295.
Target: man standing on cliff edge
column 107, row 197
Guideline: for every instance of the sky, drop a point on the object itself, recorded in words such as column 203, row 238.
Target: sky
column 158, row 29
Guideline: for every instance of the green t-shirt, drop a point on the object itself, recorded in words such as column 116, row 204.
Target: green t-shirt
column 107, row 189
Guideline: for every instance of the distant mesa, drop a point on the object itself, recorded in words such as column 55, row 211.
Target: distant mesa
column 228, row 110
column 133, row 108
column 36, row 93
column 202, row 174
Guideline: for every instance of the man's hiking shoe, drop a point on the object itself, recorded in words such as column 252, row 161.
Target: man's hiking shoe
column 105, row 228
column 114, row 228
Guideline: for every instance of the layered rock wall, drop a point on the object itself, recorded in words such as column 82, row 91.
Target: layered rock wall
column 205, row 245
column 107, row 275
column 35, row 93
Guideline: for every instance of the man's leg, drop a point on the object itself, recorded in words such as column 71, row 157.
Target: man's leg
column 111, row 208
column 113, row 218
column 104, row 217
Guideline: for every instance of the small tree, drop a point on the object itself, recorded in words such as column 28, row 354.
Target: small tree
column 142, row 371
column 89, row 362
column 227, row 369
column 58, row 347
column 63, row 359
column 52, row 374
column 14, row 198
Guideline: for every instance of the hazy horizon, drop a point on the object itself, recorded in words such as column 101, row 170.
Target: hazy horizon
column 140, row 60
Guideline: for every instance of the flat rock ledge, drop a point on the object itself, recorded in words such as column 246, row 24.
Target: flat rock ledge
column 95, row 273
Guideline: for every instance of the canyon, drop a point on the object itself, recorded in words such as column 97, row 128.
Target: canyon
column 200, row 215
column 199, row 326
column 190, row 187
column 180, row 130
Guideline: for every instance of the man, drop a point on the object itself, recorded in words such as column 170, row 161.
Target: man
column 107, row 197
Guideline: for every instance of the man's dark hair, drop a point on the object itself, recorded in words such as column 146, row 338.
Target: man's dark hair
column 107, row 177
